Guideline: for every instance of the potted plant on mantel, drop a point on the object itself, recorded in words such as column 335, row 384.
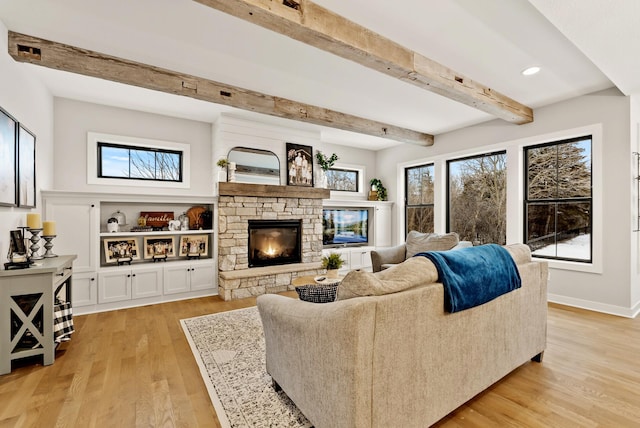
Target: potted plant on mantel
column 332, row 263
column 324, row 163
column 222, row 174
column 378, row 191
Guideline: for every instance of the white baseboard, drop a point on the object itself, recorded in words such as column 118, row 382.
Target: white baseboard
column 595, row 306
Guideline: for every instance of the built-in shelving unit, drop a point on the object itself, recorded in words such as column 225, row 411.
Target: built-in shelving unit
column 101, row 284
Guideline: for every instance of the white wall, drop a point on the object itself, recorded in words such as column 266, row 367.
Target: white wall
column 232, row 132
column 74, row 119
column 28, row 101
column 608, row 286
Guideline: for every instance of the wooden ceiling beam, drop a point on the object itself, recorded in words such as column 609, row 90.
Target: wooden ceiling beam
column 312, row 24
column 33, row 50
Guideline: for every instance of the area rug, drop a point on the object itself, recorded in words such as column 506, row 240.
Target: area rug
column 230, row 351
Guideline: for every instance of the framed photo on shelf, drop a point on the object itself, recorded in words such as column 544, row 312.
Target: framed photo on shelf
column 26, row 168
column 194, row 245
column 8, row 126
column 159, row 247
column 119, row 249
column 17, row 242
column 299, row 165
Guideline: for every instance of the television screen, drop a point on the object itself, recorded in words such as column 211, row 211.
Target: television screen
column 345, row 226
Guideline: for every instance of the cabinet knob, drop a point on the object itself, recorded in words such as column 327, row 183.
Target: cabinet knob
column 93, row 279
column 92, row 206
column 129, row 276
column 134, row 274
column 60, row 274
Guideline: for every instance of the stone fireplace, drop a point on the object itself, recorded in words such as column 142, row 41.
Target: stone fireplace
column 240, row 205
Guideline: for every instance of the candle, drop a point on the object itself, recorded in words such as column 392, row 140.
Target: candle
column 49, row 228
column 33, row 221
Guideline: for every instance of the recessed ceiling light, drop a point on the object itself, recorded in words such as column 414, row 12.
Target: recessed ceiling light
column 530, row 71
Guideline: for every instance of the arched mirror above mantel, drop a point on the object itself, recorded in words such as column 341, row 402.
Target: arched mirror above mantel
column 255, row 166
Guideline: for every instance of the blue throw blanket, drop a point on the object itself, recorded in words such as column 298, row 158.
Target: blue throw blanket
column 474, row 275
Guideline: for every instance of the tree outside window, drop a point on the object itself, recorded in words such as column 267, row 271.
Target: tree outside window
column 558, row 199
column 139, row 163
column 419, row 198
column 477, row 202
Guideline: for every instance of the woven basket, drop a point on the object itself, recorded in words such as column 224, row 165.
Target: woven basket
column 317, row 293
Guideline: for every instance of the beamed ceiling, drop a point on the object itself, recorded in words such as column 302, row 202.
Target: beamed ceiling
column 369, row 74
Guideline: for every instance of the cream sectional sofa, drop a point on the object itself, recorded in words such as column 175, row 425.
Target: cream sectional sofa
column 396, row 358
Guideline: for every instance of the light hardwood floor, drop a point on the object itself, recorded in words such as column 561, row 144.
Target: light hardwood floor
column 133, row 367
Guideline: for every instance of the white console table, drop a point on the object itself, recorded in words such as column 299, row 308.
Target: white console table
column 26, row 304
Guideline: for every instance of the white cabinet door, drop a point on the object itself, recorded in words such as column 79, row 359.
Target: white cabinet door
column 77, row 229
column 202, row 277
column 84, row 289
column 382, row 223
column 114, row 286
column 360, row 258
column 176, row 278
column 146, row 282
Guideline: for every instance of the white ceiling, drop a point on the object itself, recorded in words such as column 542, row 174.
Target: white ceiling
column 489, row 41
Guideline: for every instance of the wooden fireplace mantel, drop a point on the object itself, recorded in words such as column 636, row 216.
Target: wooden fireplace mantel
column 271, row 191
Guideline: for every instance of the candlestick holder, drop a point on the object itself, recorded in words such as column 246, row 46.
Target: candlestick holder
column 35, row 244
column 48, row 245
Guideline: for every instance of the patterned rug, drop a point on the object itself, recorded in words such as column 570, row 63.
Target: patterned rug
column 229, row 349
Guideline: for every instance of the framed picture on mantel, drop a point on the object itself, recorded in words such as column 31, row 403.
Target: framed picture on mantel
column 299, row 165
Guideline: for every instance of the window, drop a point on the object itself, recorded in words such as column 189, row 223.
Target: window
column 477, row 198
column 139, row 163
column 419, row 198
column 344, row 180
column 558, row 199
column 129, row 161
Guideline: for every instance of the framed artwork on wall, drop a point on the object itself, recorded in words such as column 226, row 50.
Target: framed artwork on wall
column 8, row 126
column 159, row 247
column 117, row 249
column 299, row 165
column 26, row 168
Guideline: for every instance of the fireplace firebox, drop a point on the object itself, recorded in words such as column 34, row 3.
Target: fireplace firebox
column 274, row 242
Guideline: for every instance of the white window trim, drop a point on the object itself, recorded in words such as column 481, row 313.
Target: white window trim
column 362, row 192
column 92, row 160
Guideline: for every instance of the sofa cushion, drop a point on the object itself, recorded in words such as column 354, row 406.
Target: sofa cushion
column 411, row 273
column 420, row 242
column 317, row 293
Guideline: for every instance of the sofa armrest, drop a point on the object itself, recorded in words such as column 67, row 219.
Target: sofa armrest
column 320, row 354
column 392, row 255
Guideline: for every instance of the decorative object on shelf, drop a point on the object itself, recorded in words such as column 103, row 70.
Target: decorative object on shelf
column 35, row 244
column 17, row 255
column 223, row 163
column 231, row 172
column 112, row 225
column 206, row 219
column 48, row 245
column 142, row 221
column 142, row 229
column 184, row 221
column 378, row 191
column 195, row 217
column 121, row 250
column 34, row 221
column 120, row 217
column 332, row 262
column 174, row 225
column 157, row 219
column 325, row 163
column 299, row 165
column 159, row 248
column 194, row 245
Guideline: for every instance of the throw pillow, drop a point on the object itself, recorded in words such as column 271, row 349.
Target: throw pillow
column 419, row 242
column 317, row 293
column 411, row 273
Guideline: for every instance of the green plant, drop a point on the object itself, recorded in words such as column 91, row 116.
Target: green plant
column 382, row 191
column 332, row 261
column 222, row 163
column 324, row 161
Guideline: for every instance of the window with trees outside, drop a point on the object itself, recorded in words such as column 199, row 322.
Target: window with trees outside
column 139, row 163
column 477, row 198
column 558, row 199
column 345, row 180
column 419, row 198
